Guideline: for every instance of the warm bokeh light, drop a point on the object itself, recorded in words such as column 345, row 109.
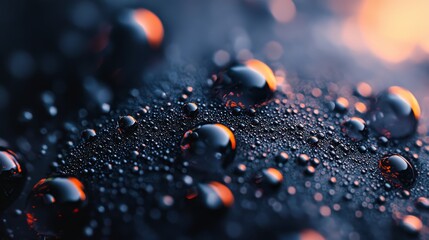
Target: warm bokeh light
column 392, row 30
column 152, row 26
column 282, row 10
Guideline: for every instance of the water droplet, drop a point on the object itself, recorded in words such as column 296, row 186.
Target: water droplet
column 340, row 105
column 88, row 134
column 282, row 157
column 127, row 124
column 355, row 128
column 213, row 196
column 269, row 177
column 422, row 203
column 395, row 113
column 12, row 177
column 397, row 170
column 411, row 224
column 190, row 110
column 209, row 147
column 55, row 206
column 303, row 159
column 249, row 84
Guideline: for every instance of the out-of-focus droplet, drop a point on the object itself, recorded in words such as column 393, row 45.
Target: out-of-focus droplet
column 355, row 128
column 127, row 124
column 395, row 113
column 190, row 110
column 55, row 207
column 151, row 25
column 340, row 105
column 88, row 134
column 422, row 203
column 209, row 147
column 249, row 84
column 213, row 196
column 269, row 178
column 282, row 10
column 363, row 89
column 397, row 170
column 411, row 224
column 12, row 177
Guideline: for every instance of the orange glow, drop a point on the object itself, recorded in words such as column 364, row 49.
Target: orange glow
column 392, row 30
column 230, row 134
column 79, row 187
column 343, row 101
column 275, row 173
column 310, row 235
column 413, row 221
column 408, row 97
column 364, row 89
column 283, row 11
column 224, row 193
column 151, row 25
column 265, row 71
column 360, row 107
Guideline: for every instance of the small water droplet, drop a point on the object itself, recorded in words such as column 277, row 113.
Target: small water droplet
column 88, row 134
column 249, row 84
column 127, row 124
column 397, row 170
column 269, row 178
column 190, row 110
column 213, row 196
column 209, row 147
column 355, row 128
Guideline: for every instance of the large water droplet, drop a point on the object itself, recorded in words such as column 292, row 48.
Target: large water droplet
column 355, row 128
column 55, row 206
column 397, row 170
column 249, row 84
column 12, row 177
column 209, row 147
column 395, row 113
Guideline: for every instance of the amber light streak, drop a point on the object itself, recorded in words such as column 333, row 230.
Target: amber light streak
column 265, row 71
column 151, row 25
column 229, row 133
column 224, row 193
column 393, row 30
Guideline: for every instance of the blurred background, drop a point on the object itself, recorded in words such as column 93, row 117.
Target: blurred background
column 60, row 59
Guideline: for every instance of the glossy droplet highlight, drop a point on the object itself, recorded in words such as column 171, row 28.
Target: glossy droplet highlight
column 127, row 124
column 209, row 147
column 269, row 177
column 397, row 170
column 355, row 128
column 190, row 110
column 411, row 224
column 12, row 177
column 245, row 85
column 151, row 25
column 395, row 113
column 213, row 196
column 55, row 206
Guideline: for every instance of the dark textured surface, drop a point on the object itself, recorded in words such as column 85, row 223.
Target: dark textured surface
column 128, row 203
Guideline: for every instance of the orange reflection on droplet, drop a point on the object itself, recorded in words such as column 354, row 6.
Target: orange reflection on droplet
column 408, row 97
column 283, row 11
column 230, row 134
column 151, row 25
column 276, row 174
column 265, row 71
column 223, row 192
column 79, row 187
